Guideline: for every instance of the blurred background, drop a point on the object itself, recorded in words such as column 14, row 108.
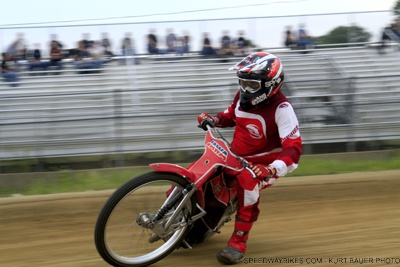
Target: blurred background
column 83, row 89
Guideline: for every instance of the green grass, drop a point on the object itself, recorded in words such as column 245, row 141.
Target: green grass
column 70, row 181
column 74, row 181
column 100, row 179
column 315, row 166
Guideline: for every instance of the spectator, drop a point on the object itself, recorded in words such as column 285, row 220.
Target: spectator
column 303, row 38
column 83, row 60
column 289, row 38
column 35, row 59
column 241, row 44
column 56, row 55
column 8, row 73
column 391, row 33
column 64, row 52
column 86, row 41
column 17, row 49
column 12, row 50
column 226, row 48
column 54, row 38
column 80, row 53
column 152, row 43
column 171, row 41
column 128, row 48
column 106, row 44
column 207, row 49
column 97, row 53
column 185, row 47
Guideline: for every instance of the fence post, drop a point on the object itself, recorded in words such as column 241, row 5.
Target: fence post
column 350, row 145
column 118, row 125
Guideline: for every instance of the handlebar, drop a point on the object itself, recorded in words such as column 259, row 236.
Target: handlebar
column 210, row 126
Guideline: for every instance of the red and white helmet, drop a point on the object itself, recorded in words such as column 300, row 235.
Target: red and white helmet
column 260, row 78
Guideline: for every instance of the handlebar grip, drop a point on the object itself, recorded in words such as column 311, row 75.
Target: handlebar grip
column 205, row 123
column 253, row 174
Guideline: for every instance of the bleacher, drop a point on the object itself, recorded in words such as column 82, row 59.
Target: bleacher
column 341, row 95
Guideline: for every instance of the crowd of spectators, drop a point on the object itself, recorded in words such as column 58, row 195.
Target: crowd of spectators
column 228, row 46
column 181, row 45
column 89, row 55
column 299, row 39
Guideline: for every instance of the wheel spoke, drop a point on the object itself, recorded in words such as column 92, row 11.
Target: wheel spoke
column 125, row 233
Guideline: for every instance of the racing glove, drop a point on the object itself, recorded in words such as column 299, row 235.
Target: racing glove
column 264, row 172
column 204, row 119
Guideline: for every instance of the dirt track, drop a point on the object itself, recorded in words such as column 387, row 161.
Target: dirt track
column 326, row 220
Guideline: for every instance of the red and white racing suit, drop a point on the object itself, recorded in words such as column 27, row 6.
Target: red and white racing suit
column 267, row 134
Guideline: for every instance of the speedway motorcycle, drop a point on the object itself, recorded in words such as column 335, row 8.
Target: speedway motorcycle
column 171, row 207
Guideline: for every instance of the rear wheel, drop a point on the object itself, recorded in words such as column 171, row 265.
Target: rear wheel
column 122, row 234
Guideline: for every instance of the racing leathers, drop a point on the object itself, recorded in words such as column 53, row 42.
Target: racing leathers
column 268, row 134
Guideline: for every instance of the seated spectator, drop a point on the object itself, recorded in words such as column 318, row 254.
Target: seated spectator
column 207, row 49
column 97, row 53
column 66, row 53
column 152, row 43
column 391, row 33
column 303, row 39
column 83, row 60
column 17, row 50
column 106, row 44
column 8, row 73
column 86, row 41
column 242, row 44
column 290, row 40
column 226, row 48
column 11, row 50
column 34, row 58
column 128, row 48
column 184, row 49
column 171, row 41
column 56, row 56
column 54, row 38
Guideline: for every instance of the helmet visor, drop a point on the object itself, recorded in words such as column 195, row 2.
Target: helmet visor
column 250, row 86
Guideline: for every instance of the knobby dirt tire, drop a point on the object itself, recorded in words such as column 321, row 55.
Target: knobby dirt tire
column 120, row 241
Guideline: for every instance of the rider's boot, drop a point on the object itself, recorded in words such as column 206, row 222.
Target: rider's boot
column 236, row 249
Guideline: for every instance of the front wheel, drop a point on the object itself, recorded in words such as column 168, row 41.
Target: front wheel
column 123, row 236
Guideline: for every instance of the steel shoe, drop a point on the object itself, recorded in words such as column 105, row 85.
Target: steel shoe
column 230, row 255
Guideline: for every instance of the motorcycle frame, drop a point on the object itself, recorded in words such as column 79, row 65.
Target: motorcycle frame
column 217, row 153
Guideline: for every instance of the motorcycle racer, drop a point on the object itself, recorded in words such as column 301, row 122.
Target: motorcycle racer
column 266, row 134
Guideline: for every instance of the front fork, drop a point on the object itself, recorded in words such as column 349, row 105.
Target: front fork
column 144, row 220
